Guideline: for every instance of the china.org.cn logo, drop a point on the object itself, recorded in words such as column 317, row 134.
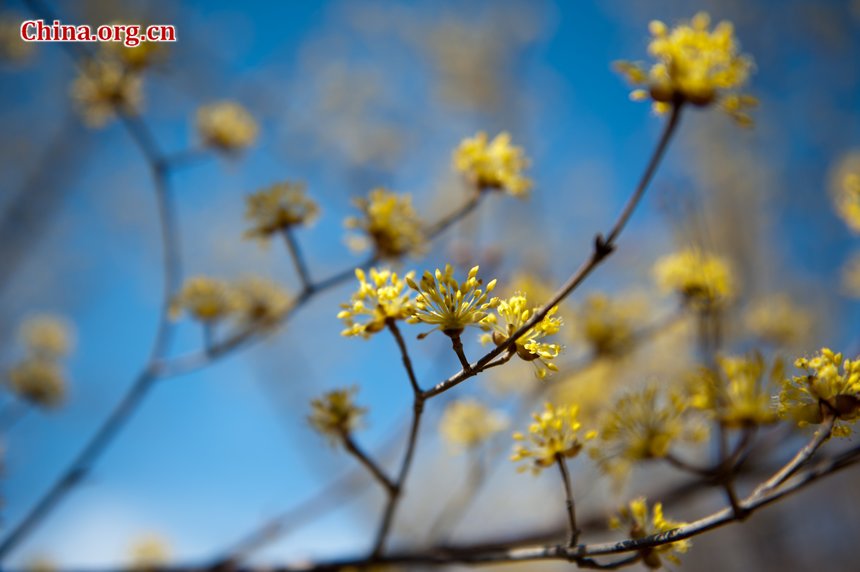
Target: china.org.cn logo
column 130, row 35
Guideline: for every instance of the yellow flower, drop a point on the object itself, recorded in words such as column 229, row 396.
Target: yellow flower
column 149, row 552
column 696, row 65
column 777, row 320
column 205, row 299
column 136, row 58
column 824, row 388
column 47, row 337
column 39, row 381
column 469, row 423
column 277, row 208
column 514, row 313
column 389, row 222
column 12, row 48
column 104, row 88
column 493, row 165
column 448, row 305
column 738, row 393
column 379, row 300
column 851, row 276
column 845, row 188
column 553, row 435
column 641, row 425
column 226, row 126
column 335, row 415
column 608, row 325
column 260, row 302
column 704, row 280
column 639, row 523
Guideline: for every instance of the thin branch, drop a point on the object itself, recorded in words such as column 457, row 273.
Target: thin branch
column 298, row 260
column 457, row 345
column 568, row 501
column 404, row 354
column 371, row 466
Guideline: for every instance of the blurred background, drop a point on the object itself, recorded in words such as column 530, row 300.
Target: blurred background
column 351, row 95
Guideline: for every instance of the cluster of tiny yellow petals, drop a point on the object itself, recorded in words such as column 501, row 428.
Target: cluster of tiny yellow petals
column 379, row 300
column 846, row 190
column 824, row 390
column 448, row 305
column 335, row 414
column 777, row 320
column 226, row 126
column 693, row 64
column 252, row 300
column 47, row 336
column 738, row 394
column 103, row 88
column 493, row 164
column 554, row 435
column 468, row 423
column 704, row 280
column 513, row 313
column 39, row 377
column 608, row 325
column 277, row 208
column 260, row 302
column 641, row 425
column 149, row 553
column 388, row 223
column 639, row 523
column 135, row 58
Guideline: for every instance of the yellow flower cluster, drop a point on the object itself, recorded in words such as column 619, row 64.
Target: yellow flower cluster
column 335, row 415
column 608, row 325
column 738, row 393
column 277, row 208
column 448, row 305
column 493, row 164
column 694, row 64
column 641, row 425
column 704, row 280
column 846, row 190
column 252, row 300
column 824, row 390
column 639, row 523
column 137, row 58
column 378, row 300
column 149, row 553
column 389, row 223
column 103, row 88
column 777, row 320
column 554, row 435
column 468, row 423
column 226, row 126
column 510, row 316
column 39, row 377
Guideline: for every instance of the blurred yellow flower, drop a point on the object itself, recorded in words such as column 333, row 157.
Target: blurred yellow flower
column 696, row 65
column 608, row 325
column 845, row 188
column 738, row 394
column 511, row 314
column 260, row 302
column 468, row 423
column 823, row 390
column 47, row 337
column 777, row 320
column 149, row 553
column 448, row 305
column 635, row 518
column 554, row 436
column 39, row 381
column 104, row 88
column 12, row 48
column 493, row 164
column 277, row 208
column 389, row 223
column 335, row 415
column 703, row 280
column 379, row 300
column 851, row 276
column 136, row 58
column 205, row 299
column 226, row 126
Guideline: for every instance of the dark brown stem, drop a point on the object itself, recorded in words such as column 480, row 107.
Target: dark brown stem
column 457, row 344
column 351, row 446
column 404, row 355
column 568, row 500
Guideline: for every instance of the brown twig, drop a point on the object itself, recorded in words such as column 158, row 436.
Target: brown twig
column 570, row 506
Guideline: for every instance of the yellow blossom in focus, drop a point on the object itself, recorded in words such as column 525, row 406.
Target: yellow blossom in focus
column 608, row 325
column 226, row 126
column 149, row 552
column 641, row 425
column 260, row 302
column 738, row 394
column 205, row 299
column 448, row 305
column 635, row 518
column 554, row 435
column 513, row 313
column 277, row 208
column 777, row 320
column 493, row 164
column 389, row 223
column 468, row 423
column 104, row 88
column 47, row 337
column 39, row 381
column 845, row 189
column 378, row 300
column 335, row 415
column 704, row 280
column 694, row 64
column 851, row 276
column 823, row 390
